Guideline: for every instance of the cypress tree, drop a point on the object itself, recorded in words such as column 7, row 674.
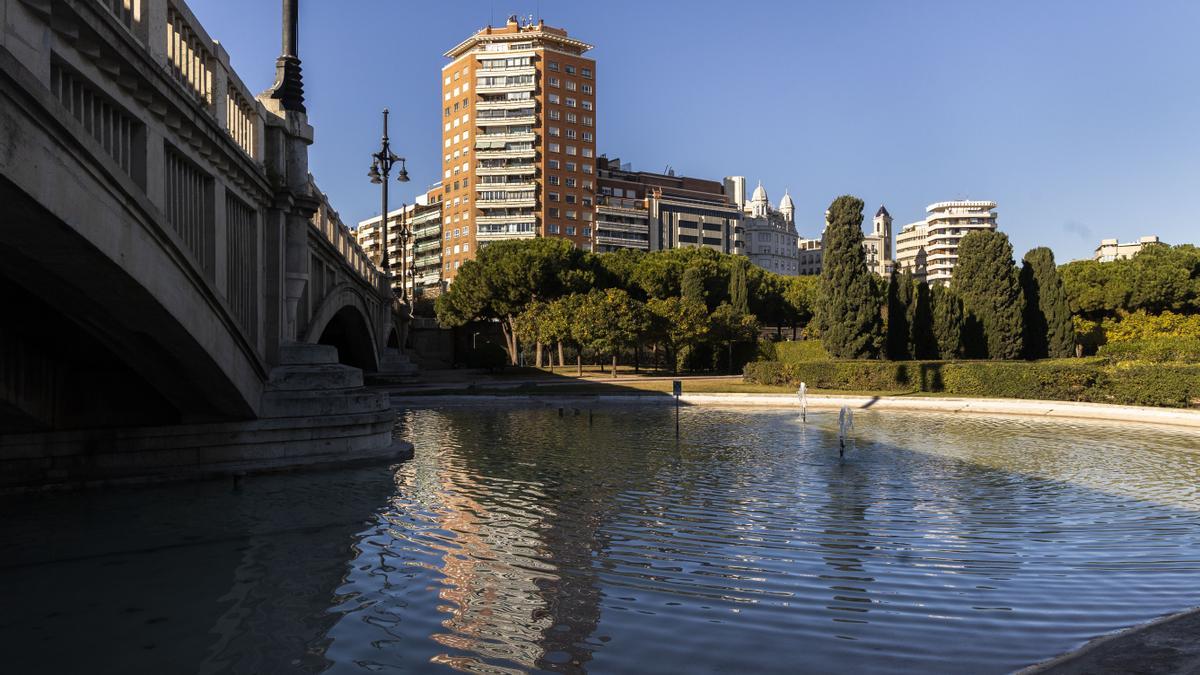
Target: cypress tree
column 1048, row 327
column 898, row 335
column 908, row 298
column 851, row 311
column 987, row 281
column 924, row 342
column 947, row 322
column 691, row 286
column 739, row 295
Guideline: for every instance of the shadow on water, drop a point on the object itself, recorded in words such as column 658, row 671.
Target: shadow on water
column 182, row 578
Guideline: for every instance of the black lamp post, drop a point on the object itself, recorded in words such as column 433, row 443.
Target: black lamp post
column 381, row 166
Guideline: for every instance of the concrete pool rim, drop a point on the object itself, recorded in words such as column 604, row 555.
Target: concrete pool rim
column 1175, row 417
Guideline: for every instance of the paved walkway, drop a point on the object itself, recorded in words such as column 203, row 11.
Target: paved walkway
column 1167, row 646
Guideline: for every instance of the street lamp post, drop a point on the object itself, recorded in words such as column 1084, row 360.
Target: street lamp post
column 381, row 167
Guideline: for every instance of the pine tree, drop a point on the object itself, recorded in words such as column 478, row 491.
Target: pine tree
column 851, row 316
column 924, row 342
column 947, row 322
column 987, row 281
column 1048, row 326
column 897, row 320
column 739, row 295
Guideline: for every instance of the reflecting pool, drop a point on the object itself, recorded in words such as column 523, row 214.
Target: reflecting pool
column 521, row 540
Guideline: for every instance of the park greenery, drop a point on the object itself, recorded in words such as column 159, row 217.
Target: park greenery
column 700, row 310
column 693, row 309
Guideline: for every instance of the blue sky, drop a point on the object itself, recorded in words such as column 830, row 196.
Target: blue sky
column 1081, row 119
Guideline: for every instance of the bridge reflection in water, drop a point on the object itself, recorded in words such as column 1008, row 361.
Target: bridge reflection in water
column 167, row 260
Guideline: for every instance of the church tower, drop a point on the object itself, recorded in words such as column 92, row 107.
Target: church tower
column 883, row 230
column 787, row 209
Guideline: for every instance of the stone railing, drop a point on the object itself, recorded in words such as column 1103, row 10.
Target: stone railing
column 329, row 224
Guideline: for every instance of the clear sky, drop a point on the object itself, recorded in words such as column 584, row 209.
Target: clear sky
column 1081, row 119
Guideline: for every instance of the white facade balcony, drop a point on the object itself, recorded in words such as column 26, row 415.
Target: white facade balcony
column 504, row 104
column 505, row 121
column 506, row 219
column 510, row 170
column 623, row 242
column 484, row 71
column 524, row 153
column 482, row 140
column 623, row 227
column 506, row 88
column 524, row 186
column 526, row 203
column 522, row 230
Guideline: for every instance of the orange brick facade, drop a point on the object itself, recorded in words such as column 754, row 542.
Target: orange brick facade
column 518, row 139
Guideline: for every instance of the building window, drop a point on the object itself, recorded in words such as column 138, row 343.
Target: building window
column 586, row 88
column 571, row 117
column 554, row 115
column 587, row 105
column 571, row 199
column 554, row 147
column 571, row 216
column 554, row 131
column 571, row 150
column 555, row 99
column 554, row 82
column 586, row 72
column 553, row 180
column 587, row 231
column 587, row 121
column 587, row 152
column 553, row 196
column 553, row 65
column 570, row 102
column 569, row 69
column 587, row 136
column 570, row 228
column 553, row 212
column 553, row 163
column 553, row 229
column 570, row 166
column 570, row 85
column 571, row 133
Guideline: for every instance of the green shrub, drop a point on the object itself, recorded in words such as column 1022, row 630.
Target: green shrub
column 1156, row 350
column 1143, row 326
column 1091, row 380
column 801, row 350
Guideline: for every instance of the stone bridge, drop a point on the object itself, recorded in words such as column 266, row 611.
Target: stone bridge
column 179, row 297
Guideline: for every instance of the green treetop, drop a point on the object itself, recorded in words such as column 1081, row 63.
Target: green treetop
column 850, row 312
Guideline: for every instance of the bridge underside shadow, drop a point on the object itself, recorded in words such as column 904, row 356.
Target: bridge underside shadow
column 84, row 345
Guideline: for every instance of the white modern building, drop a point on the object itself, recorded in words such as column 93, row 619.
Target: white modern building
column 769, row 234
column 930, row 247
column 1110, row 249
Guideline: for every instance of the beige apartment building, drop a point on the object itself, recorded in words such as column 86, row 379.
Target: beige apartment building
column 518, row 136
column 418, row 266
column 1110, row 249
column 930, row 247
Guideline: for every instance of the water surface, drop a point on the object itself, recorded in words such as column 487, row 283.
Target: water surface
column 517, row 540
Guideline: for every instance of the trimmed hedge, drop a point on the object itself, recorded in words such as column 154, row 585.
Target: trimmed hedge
column 1090, row 380
column 1163, row 349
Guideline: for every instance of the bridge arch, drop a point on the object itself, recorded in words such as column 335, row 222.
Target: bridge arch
column 343, row 319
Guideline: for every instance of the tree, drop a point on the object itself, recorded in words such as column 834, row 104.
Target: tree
column 677, row 324
column 1049, row 330
column 691, row 286
column 898, row 334
column 558, row 325
column 947, row 321
column 801, row 297
column 766, row 291
column 987, row 281
column 609, row 322
column 851, row 317
column 505, row 277
column 924, row 340
column 739, row 294
column 728, row 326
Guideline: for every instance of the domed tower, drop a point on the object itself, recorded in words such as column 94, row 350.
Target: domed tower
column 787, row 209
column 759, row 205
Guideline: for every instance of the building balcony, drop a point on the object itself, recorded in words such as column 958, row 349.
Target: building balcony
column 505, row 121
column 525, row 203
column 522, row 186
column 504, row 104
column 495, row 141
column 509, row 170
column 526, row 153
column 522, row 230
column 432, row 245
column 530, row 87
column 434, row 230
column 623, row 227
column 503, row 219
